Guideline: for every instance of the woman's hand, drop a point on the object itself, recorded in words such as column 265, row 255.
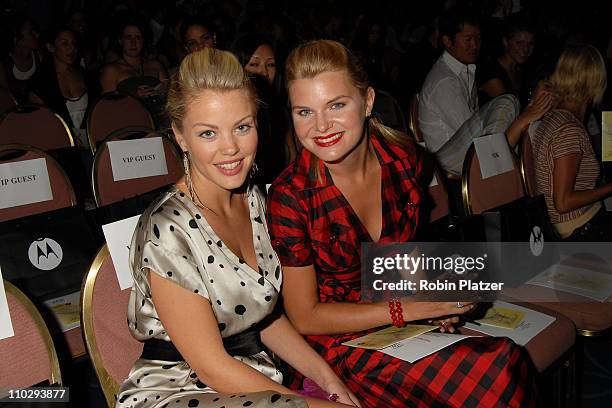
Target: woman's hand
column 445, row 324
column 541, row 103
column 333, row 385
column 430, row 310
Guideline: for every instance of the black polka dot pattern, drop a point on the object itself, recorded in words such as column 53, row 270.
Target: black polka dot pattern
column 202, row 263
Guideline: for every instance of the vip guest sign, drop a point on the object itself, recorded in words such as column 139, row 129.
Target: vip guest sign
column 139, row 158
column 6, row 327
column 24, row 182
column 493, row 154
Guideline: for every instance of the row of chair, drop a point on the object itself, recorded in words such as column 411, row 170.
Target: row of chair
column 39, row 126
column 105, row 189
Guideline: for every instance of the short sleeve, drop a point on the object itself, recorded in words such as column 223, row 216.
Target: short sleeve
column 567, row 140
column 167, row 250
column 288, row 227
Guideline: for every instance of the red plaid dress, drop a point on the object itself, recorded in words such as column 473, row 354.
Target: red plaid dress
column 311, row 222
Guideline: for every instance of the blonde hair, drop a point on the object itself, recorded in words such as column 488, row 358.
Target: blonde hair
column 206, row 70
column 316, row 57
column 580, row 75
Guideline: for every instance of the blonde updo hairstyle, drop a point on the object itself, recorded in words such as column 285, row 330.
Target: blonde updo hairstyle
column 580, row 75
column 316, row 57
column 209, row 69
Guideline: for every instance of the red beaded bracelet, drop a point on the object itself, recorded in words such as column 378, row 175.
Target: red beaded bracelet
column 396, row 312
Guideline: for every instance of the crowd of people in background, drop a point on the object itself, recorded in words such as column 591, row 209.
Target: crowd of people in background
column 304, row 110
column 144, row 41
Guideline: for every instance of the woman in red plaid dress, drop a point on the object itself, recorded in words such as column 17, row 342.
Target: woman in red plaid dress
column 326, row 204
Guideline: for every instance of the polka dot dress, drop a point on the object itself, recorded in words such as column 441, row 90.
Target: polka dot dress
column 174, row 240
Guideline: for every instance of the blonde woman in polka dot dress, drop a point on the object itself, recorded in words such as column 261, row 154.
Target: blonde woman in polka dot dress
column 206, row 280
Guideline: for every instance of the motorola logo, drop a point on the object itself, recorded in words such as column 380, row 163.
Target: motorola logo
column 536, row 241
column 45, row 254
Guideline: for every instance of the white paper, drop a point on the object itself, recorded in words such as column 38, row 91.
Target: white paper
column 24, row 182
column 66, row 310
column 533, row 323
column 6, row 325
column 493, row 154
column 579, row 281
column 434, row 181
column 118, row 236
column 138, row 158
column 421, row 346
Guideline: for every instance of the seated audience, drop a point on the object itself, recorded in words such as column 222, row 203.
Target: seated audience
column 197, row 34
column 23, row 58
column 504, row 74
column 60, row 83
column 449, row 116
column 205, row 287
column 132, row 73
column 567, row 169
column 323, row 207
column 256, row 55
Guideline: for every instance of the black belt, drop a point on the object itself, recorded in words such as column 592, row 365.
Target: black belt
column 245, row 344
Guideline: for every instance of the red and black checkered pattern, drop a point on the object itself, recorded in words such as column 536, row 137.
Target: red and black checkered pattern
column 311, row 223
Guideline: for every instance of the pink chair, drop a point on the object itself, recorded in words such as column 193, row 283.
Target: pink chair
column 29, row 357
column 114, row 111
column 110, row 345
column 107, row 191
column 480, row 195
column 35, row 125
column 61, row 188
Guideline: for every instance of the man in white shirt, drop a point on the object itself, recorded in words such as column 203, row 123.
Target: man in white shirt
column 449, row 117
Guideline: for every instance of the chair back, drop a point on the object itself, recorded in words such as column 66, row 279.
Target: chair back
column 61, row 188
column 413, row 119
column 527, row 162
column 107, row 191
column 480, row 195
column 35, row 125
column 29, row 357
column 439, row 197
column 114, row 111
column 110, row 345
column 389, row 111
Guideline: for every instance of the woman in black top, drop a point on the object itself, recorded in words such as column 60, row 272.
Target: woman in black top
column 60, row 83
column 505, row 74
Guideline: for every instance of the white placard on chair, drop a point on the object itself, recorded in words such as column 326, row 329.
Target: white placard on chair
column 493, row 154
column 118, row 237
column 24, row 182
column 138, row 158
column 6, row 326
